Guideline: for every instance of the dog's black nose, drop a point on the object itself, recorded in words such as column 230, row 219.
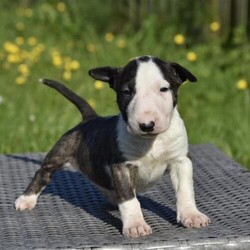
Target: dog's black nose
column 147, row 127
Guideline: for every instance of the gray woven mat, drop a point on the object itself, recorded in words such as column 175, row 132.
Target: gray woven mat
column 71, row 212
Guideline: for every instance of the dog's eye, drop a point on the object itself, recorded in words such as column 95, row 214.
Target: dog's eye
column 164, row 89
column 126, row 92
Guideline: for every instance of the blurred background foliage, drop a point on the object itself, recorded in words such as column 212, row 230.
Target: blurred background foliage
column 64, row 39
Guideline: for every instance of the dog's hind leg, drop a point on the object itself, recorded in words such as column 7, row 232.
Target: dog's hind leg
column 41, row 179
column 56, row 158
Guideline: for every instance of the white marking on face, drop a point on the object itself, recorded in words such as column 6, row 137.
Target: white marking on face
column 150, row 103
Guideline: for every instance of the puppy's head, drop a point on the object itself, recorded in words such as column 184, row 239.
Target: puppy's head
column 147, row 90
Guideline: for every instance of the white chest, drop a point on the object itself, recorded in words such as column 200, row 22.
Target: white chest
column 152, row 155
column 151, row 166
column 148, row 176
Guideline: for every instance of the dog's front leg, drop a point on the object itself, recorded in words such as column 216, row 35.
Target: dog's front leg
column 124, row 179
column 182, row 178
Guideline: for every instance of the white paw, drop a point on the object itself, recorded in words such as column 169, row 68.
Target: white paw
column 136, row 230
column 26, row 202
column 134, row 224
column 194, row 219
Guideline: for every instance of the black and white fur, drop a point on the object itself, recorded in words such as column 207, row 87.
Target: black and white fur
column 128, row 153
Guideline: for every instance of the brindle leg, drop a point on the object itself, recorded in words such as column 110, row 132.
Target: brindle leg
column 55, row 159
column 42, row 177
column 124, row 178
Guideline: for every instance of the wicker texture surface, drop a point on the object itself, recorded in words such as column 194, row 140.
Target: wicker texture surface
column 71, row 212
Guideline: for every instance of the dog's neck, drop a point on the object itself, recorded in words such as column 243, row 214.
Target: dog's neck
column 137, row 146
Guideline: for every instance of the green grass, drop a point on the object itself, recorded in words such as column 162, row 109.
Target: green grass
column 214, row 109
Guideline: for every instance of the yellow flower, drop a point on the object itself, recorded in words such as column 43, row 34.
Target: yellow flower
column 19, row 40
column 39, row 48
column 92, row 102
column 109, row 37
column 121, row 43
column 28, row 12
column 99, row 85
column 20, row 26
column 57, row 61
column 242, row 84
column 61, row 7
column 74, row 65
column 32, row 118
column 32, row 41
column 23, row 69
column 11, row 47
column 179, row 39
column 67, row 75
column 13, row 58
column 91, row 48
column 214, row 26
column 20, row 80
column 192, row 56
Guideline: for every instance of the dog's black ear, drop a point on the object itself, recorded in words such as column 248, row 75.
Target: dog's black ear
column 105, row 74
column 183, row 73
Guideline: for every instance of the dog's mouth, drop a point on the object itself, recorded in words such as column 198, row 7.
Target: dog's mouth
column 148, row 135
column 141, row 134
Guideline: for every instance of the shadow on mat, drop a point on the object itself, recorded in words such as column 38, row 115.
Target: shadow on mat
column 26, row 158
column 76, row 189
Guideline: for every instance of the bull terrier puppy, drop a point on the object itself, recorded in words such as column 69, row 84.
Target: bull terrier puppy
column 129, row 152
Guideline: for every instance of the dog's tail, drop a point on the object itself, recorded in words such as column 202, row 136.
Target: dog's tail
column 86, row 110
